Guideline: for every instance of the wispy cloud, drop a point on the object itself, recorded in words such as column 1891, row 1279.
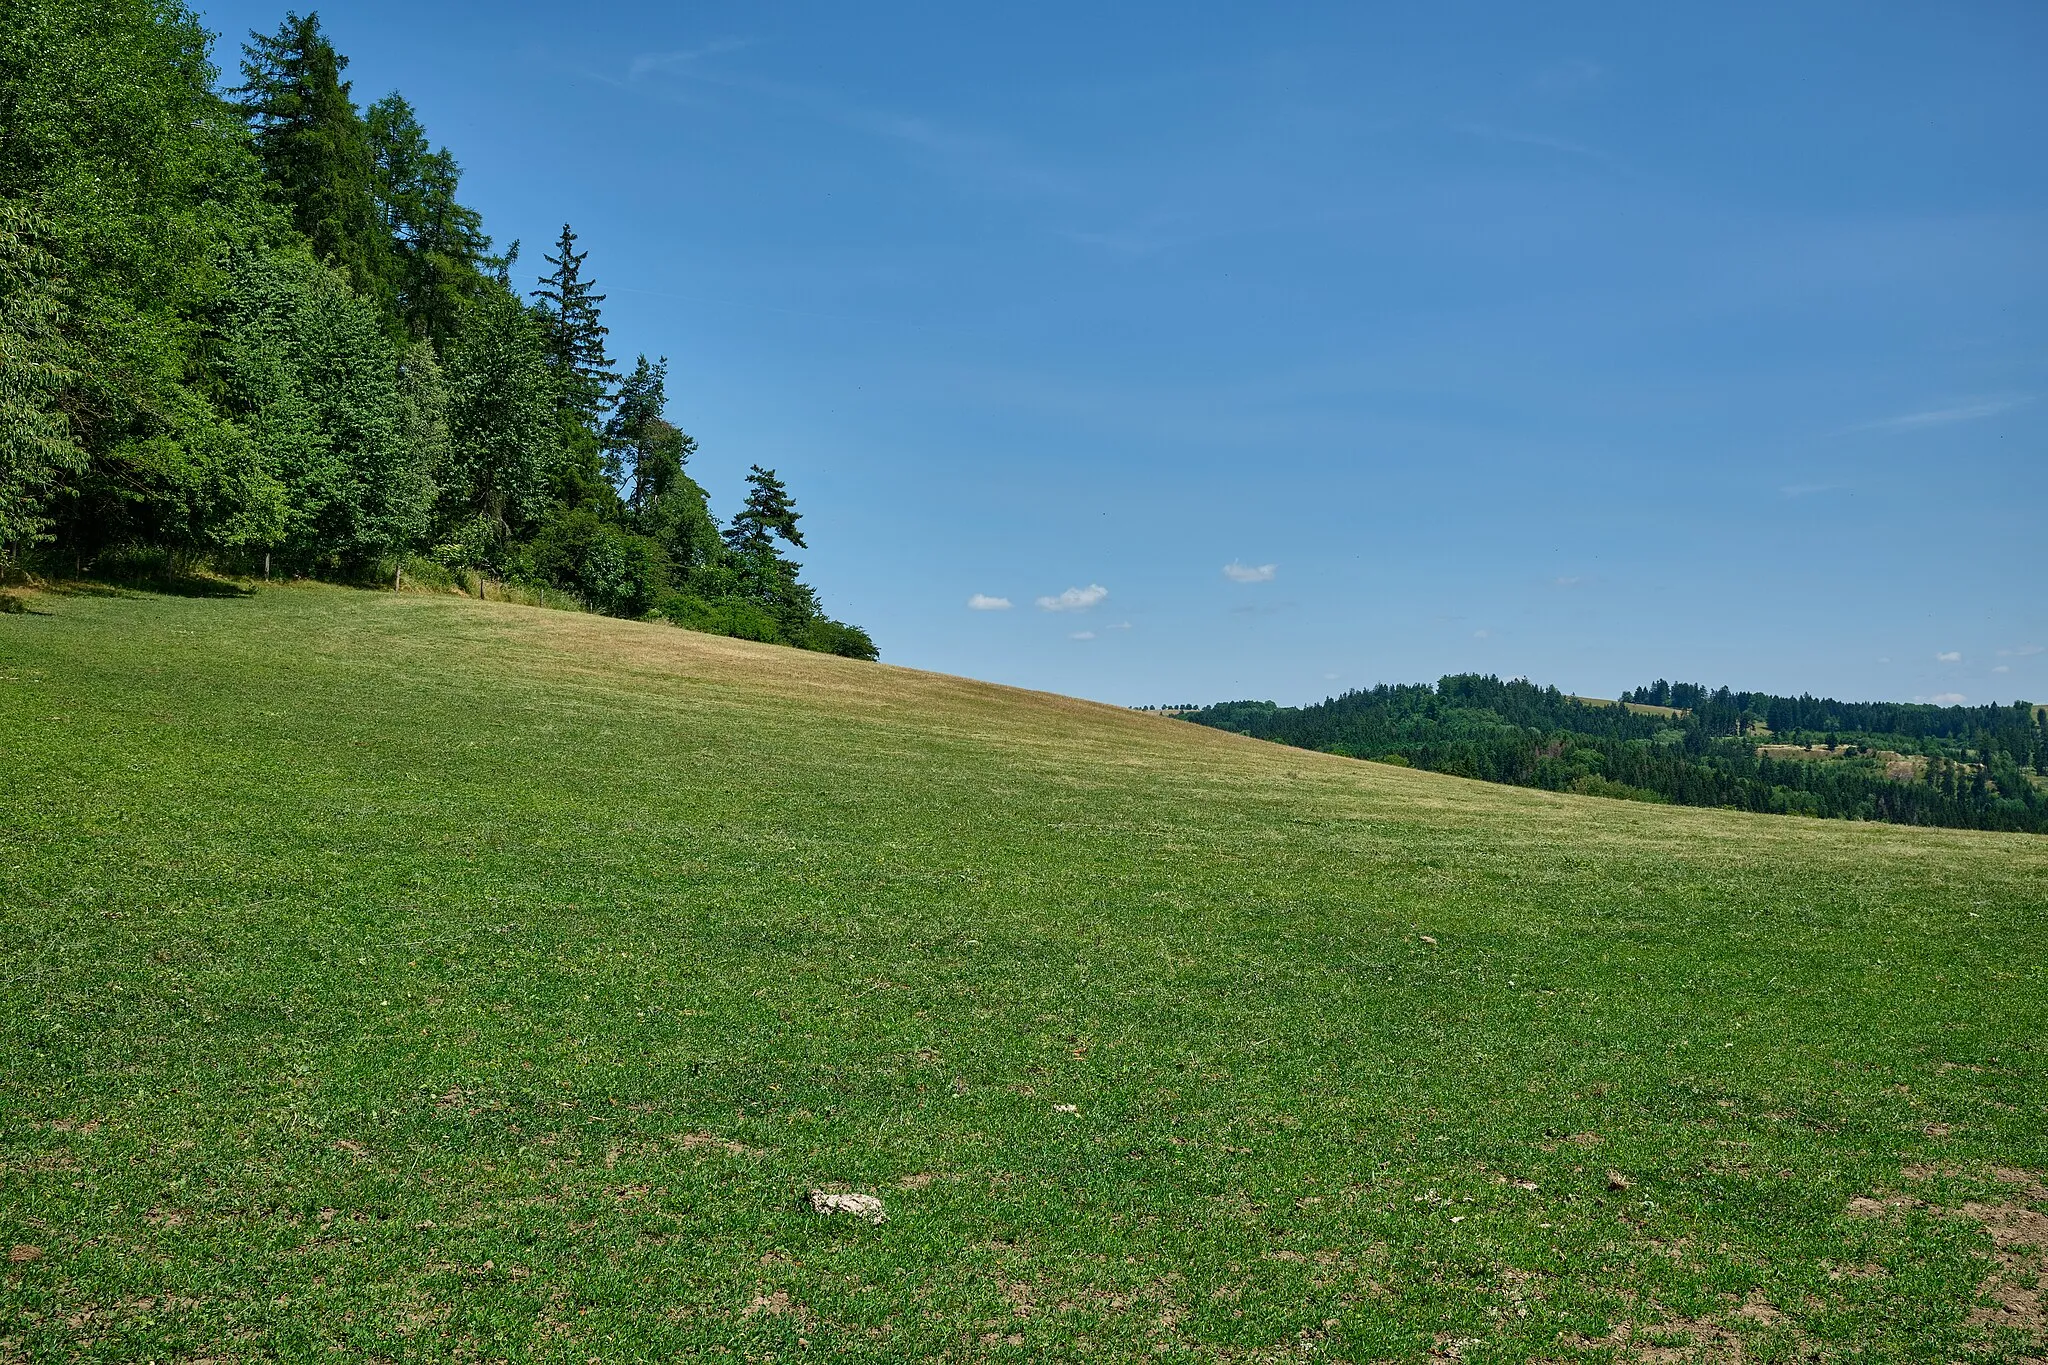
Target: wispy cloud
column 1248, row 573
column 2021, row 651
column 1480, row 634
column 1941, row 417
column 981, row 601
column 1945, row 699
column 1082, row 635
column 1523, row 137
column 1949, row 656
column 2002, row 668
column 984, row 160
column 1074, row 599
column 648, row 63
column 1568, row 580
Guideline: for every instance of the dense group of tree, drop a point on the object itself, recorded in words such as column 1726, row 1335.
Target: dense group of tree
column 257, row 328
column 1728, row 712
column 1975, row 767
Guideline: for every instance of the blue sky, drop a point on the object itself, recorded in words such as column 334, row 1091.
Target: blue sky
column 1595, row 344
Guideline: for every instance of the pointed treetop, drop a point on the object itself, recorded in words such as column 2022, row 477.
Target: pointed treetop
column 576, row 333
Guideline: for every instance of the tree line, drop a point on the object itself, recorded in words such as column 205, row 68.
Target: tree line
column 1736, row 712
column 1974, row 768
column 256, row 328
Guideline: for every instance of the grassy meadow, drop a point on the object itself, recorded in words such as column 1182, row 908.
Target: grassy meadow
column 403, row 977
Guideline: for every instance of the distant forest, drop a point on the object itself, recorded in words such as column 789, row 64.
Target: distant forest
column 257, row 329
column 1969, row 767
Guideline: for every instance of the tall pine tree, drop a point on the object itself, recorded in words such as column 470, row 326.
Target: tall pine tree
column 315, row 151
column 575, row 332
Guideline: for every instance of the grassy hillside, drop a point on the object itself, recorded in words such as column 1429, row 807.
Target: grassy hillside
column 409, row 978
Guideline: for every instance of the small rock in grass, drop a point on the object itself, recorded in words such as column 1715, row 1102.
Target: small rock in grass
column 859, row 1205
column 1617, row 1181
column 1430, row 941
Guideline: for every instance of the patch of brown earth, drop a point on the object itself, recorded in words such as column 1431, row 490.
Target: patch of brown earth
column 692, row 1141
column 1688, row 1340
column 2018, row 1288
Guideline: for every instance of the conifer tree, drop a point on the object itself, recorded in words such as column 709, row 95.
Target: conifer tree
column 315, row 150
column 769, row 512
column 575, row 331
column 440, row 245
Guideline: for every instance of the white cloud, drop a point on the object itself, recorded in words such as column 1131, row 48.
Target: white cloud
column 2003, row 668
column 1248, row 573
column 1074, row 599
column 2022, row 651
column 1941, row 417
column 1479, row 634
column 1121, row 625
column 1082, row 635
column 1949, row 656
column 1948, row 699
column 981, row 601
column 1569, row 580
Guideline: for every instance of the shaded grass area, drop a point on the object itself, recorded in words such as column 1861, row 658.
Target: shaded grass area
column 401, row 977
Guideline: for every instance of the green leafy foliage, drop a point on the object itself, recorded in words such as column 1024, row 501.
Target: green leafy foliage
column 36, row 449
column 311, row 372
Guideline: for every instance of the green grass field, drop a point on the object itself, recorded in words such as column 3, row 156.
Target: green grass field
column 410, row 978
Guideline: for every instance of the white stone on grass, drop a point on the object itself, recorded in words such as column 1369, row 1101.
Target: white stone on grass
column 859, row 1205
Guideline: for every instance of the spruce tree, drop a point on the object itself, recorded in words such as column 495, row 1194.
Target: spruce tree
column 575, row 332
column 315, row 150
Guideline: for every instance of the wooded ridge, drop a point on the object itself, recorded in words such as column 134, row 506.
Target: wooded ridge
column 257, row 330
